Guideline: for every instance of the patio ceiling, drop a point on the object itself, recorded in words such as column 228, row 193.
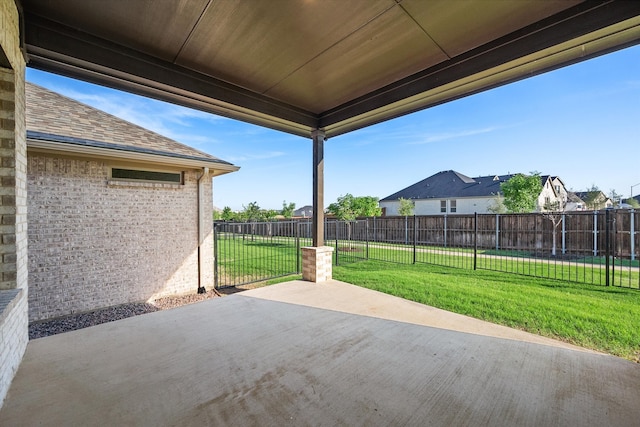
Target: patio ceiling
column 300, row 65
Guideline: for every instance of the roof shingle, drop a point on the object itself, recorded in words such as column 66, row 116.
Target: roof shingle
column 447, row 184
column 57, row 118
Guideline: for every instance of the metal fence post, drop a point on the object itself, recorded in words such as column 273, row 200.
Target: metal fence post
column 595, row 233
column 475, row 240
column 607, row 247
column 367, row 235
column 497, row 232
column 296, row 232
column 415, row 236
column 337, row 249
column 564, row 234
column 445, row 230
column 215, row 256
column 632, row 233
column 406, row 230
column 375, row 233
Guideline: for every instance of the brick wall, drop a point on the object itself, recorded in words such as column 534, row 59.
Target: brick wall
column 13, row 213
column 317, row 264
column 95, row 243
column 13, row 335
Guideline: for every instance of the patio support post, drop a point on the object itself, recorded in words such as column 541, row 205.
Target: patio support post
column 317, row 260
column 318, row 188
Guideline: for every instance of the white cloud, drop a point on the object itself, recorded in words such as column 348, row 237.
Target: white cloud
column 148, row 113
column 255, row 156
column 453, row 135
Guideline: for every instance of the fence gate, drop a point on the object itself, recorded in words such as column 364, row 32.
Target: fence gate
column 257, row 251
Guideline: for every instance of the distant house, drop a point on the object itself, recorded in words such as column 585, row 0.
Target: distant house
column 450, row 192
column 593, row 200
column 304, row 212
column 574, row 203
column 116, row 213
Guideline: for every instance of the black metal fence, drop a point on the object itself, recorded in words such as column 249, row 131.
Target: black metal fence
column 601, row 247
column 257, row 251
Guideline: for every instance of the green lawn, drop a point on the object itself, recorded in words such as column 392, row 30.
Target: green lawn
column 595, row 317
column 245, row 259
column 601, row 318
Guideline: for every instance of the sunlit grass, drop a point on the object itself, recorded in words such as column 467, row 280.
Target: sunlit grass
column 599, row 318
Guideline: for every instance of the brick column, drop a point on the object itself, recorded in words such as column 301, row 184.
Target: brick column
column 13, row 198
column 317, row 264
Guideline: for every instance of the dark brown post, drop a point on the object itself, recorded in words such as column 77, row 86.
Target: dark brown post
column 318, row 188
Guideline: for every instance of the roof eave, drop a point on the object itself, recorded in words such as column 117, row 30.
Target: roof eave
column 53, row 147
column 429, row 90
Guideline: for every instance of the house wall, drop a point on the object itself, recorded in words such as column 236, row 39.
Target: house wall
column 95, row 243
column 427, row 207
column 547, row 192
column 432, row 206
column 13, row 199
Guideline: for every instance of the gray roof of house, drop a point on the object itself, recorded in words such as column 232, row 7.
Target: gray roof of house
column 584, row 195
column 56, row 118
column 452, row 184
column 306, row 210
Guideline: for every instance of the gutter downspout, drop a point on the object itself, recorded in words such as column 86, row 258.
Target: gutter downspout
column 205, row 173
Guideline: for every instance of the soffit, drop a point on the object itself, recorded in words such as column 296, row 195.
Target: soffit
column 295, row 65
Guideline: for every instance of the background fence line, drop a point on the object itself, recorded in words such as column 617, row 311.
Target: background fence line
column 597, row 247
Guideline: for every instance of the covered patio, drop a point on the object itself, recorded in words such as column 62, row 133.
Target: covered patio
column 296, row 353
column 301, row 354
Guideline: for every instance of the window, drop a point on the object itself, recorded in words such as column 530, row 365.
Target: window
column 452, row 206
column 144, row 175
column 443, row 206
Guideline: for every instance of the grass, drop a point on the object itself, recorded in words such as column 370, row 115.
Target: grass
column 244, row 259
column 602, row 318
column 599, row 318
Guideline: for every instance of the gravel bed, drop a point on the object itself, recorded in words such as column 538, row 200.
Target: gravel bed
column 84, row 320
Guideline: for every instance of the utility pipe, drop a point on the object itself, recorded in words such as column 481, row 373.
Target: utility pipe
column 205, row 173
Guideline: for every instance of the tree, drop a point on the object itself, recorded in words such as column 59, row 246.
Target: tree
column 269, row 215
column 497, row 206
column 633, row 203
column 251, row 212
column 367, row 206
column 406, row 207
column 615, row 197
column 287, row 209
column 593, row 198
column 521, row 192
column 227, row 214
column 554, row 212
column 347, row 208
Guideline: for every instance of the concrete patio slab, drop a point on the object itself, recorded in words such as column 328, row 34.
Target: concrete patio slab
column 315, row 354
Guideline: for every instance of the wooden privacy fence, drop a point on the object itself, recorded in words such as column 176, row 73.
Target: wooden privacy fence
column 570, row 233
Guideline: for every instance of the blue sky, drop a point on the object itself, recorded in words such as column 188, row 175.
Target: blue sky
column 581, row 123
